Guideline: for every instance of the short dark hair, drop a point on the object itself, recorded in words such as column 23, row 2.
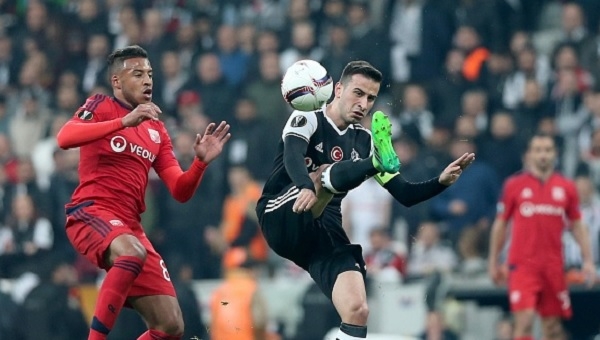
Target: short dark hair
column 541, row 134
column 360, row 67
column 119, row 56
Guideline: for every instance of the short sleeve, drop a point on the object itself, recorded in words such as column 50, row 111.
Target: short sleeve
column 300, row 124
column 573, row 212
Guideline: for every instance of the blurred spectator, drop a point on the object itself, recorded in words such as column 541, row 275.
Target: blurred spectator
column 9, row 64
column 217, row 96
column 471, row 251
column 414, row 119
column 470, row 201
column 25, row 183
column 4, row 118
column 42, row 155
column 303, row 45
column 436, row 329
column 233, row 60
column 94, row 71
column 429, row 254
column 446, row 90
column 494, row 75
column 502, row 150
column 52, row 310
column 155, row 38
column 468, row 40
column 25, row 240
column 421, row 37
column 571, row 29
column 365, row 208
column 589, row 202
column 178, row 223
column 66, row 101
column 28, row 126
column 529, row 67
column 531, row 109
column 251, row 142
column 62, row 184
column 182, row 276
column 337, row 54
column 240, row 232
column 238, row 310
column 169, row 82
column 366, row 38
column 475, row 106
column 385, row 258
column 265, row 92
column 90, row 18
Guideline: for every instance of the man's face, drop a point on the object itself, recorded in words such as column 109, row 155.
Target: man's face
column 135, row 81
column 542, row 153
column 356, row 98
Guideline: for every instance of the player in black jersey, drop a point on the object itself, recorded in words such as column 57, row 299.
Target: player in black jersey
column 322, row 155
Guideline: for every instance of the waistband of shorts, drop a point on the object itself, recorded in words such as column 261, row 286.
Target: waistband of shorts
column 73, row 209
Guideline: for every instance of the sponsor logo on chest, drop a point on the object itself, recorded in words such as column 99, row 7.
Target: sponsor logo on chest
column 119, row 144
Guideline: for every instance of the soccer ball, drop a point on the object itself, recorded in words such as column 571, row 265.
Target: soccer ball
column 306, row 85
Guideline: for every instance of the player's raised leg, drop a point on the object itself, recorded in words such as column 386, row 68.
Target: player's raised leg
column 162, row 315
column 350, row 300
column 126, row 257
column 347, row 175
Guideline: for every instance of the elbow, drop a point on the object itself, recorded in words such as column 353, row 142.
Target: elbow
column 62, row 142
column 181, row 198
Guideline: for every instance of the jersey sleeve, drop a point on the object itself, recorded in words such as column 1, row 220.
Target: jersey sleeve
column 92, row 121
column 300, row 124
column 182, row 185
column 94, row 109
column 506, row 204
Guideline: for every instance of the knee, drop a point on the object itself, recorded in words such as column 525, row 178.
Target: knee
column 358, row 312
column 172, row 324
column 553, row 331
column 127, row 245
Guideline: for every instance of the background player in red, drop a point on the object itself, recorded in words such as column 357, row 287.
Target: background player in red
column 120, row 138
column 538, row 201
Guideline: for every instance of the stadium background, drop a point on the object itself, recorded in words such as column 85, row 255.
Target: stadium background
column 459, row 75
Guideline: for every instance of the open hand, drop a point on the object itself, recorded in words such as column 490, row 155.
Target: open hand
column 210, row 145
column 453, row 171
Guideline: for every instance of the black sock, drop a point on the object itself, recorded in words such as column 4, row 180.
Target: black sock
column 354, row 331
column 347, row 175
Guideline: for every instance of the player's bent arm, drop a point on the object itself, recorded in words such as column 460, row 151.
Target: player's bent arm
column 183, row 184
column 293, row 159
column 75, row 134
column 580, row 235
column 407, row 193
column 497, row 239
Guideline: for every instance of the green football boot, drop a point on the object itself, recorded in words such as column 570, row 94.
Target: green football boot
column 384, row 156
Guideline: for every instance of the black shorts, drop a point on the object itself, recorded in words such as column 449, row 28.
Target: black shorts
column 320, row 246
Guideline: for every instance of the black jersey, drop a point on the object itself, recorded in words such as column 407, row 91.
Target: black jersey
column 326, row 145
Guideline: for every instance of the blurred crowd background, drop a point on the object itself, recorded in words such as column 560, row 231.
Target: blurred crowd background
column 460, row 76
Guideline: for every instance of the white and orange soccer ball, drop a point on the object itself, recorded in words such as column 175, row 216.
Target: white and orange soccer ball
column 306, row 85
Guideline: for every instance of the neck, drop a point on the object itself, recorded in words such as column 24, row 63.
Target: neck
column 541, row 174
column 333, row 112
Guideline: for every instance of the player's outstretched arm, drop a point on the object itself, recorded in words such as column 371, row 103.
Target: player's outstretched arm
column 76, row 133
column 183, row 184
column 409, row 194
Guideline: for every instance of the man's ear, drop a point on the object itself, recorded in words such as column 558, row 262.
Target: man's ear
column 115, row 81
column 337, row 90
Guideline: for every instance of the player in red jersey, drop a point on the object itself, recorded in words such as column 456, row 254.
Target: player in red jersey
column 538, row 202
column 120, row 138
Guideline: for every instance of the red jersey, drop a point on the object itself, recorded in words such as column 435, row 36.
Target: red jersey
column 113, row 170
column 539, row 212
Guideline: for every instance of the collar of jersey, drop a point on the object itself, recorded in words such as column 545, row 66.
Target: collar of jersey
column 340, row 132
